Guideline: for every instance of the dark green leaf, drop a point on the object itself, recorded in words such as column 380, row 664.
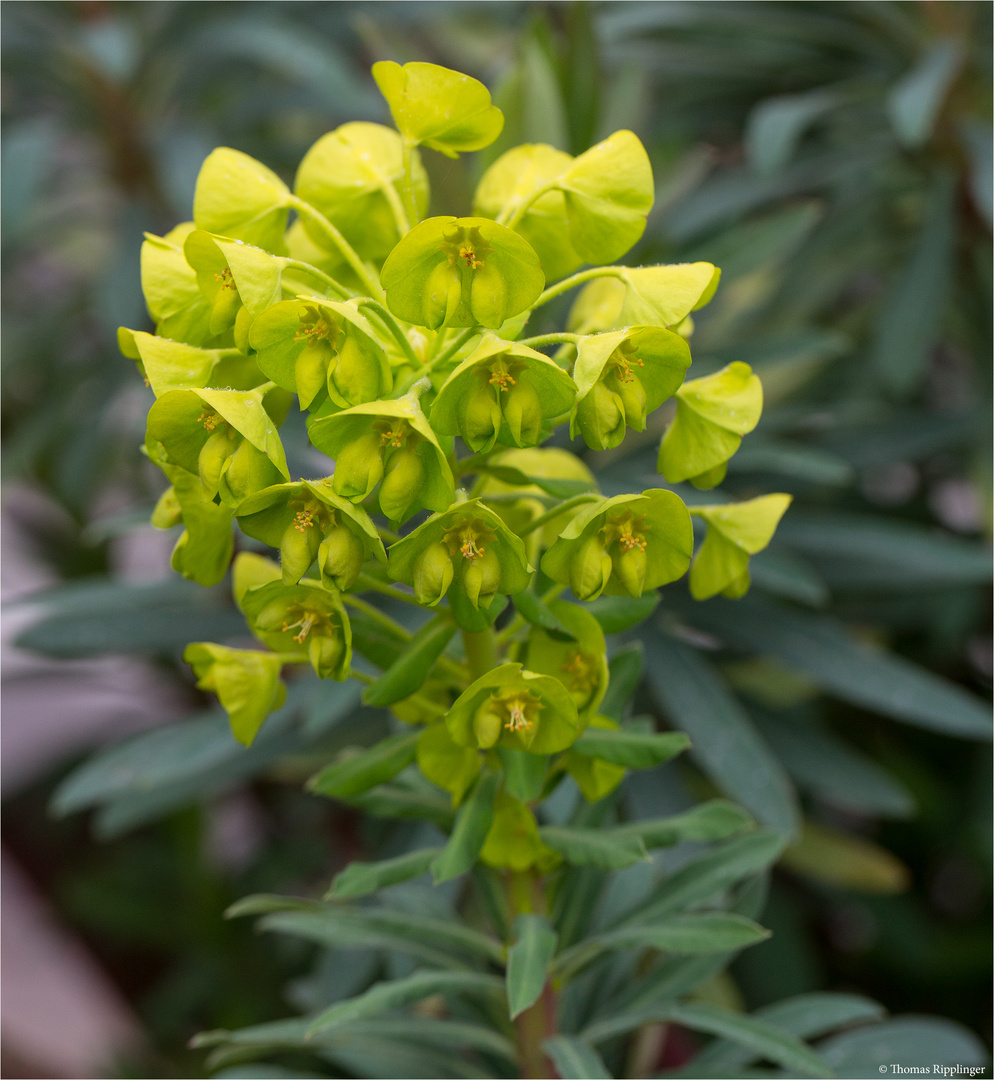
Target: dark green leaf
column 575, row 1059
column 358, row 773
column 409, row 671
column 625, row 671
column 630, row 749
column 867, row 1050
column 534, row 610
column 400, row 992
column 361, row 879
column 823, row 650
column 470, row 830
column 524, row 773
column 713, row 820
column 724, row 741
column 594, row 847
column 618, row 613
column 397, row 801
column 528, row 961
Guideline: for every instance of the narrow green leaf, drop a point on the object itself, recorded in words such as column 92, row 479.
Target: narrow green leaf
column 594, row 847
column 528, row 961
column 400, row 992
column 709, row 932
column 833, row 659
column 410, row 670
column 441, row 942
column 358, row 773
column 807, row 1016
column 724, row 741
column 868, row 1050
column 524, row 773
column 760, row 1035
column 401, row 801
column 775, row 126
column 361, row 879
column 576, row 1059
column 630, row 749
column 717, row 870
column 618, row 613
column 915, row 100
column 713, row 820
column 534, row 610
column 472, row 824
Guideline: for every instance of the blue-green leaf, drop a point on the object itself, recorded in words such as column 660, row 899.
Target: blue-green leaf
column 575, row 1059
column 528, row 961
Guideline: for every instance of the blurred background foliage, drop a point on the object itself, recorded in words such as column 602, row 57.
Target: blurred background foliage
column 835, row 160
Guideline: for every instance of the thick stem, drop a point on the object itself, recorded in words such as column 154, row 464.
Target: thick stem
column 527, row 894
column 481, row 651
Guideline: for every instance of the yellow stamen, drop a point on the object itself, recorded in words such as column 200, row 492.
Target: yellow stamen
column 303, row 519
column 224, row 279
column 502, row 379
column 395, row 437
column 209, row 419
column 468, row 255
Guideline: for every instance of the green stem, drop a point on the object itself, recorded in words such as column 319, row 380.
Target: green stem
column 576, row 279
column 391, row 324
column 527, row 894
column 551, row 339
column 410, row 203
column 512, row 219
column 481, row 651
column 537, row 523
column 451, row 351
column 327, row 279
column 346, row 250
column 397, row 208
column 376, row 615
column 366, row 581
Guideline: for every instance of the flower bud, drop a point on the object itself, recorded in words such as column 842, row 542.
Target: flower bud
column 311, row 370
column 444, row 291
column 489, row 295
column 481, row 578
column 359, row 467
column 341, row 556
column 523, row 414
column 325, row 654
column 479, row 423
column 590, row 569
column 402, row 483
column 298, row 550
column 272, row 616
column 629, row 565
column 246, row 470
column 433, row 572
column 601, row 418
column 356, row 375
column 487, row 725
column 220, row 445
column 224, row 309
column 633, row 397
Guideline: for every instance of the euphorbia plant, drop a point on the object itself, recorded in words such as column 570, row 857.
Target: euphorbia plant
column 405, row 341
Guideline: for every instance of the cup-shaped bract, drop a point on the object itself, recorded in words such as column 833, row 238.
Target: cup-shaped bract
column 239, row 197
column 307, row 520
column 467, row 548
column 201, row 429
column 501, row 392
column 175, row 303
column 513, row 841
column 246, row 681
column 514, row 179
column 468, row 271
column 595, row 778
column 515, row 709
column 581, row 664
column 608, row 192
column 380, row 439
column 312, row 344
column 436, row 107
column 734, row 532
column 446, row 763
column 306, row 619
column 354, row 175
column 171, row 365
column 712, row 415
column 621, row 377
column 623, row 545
